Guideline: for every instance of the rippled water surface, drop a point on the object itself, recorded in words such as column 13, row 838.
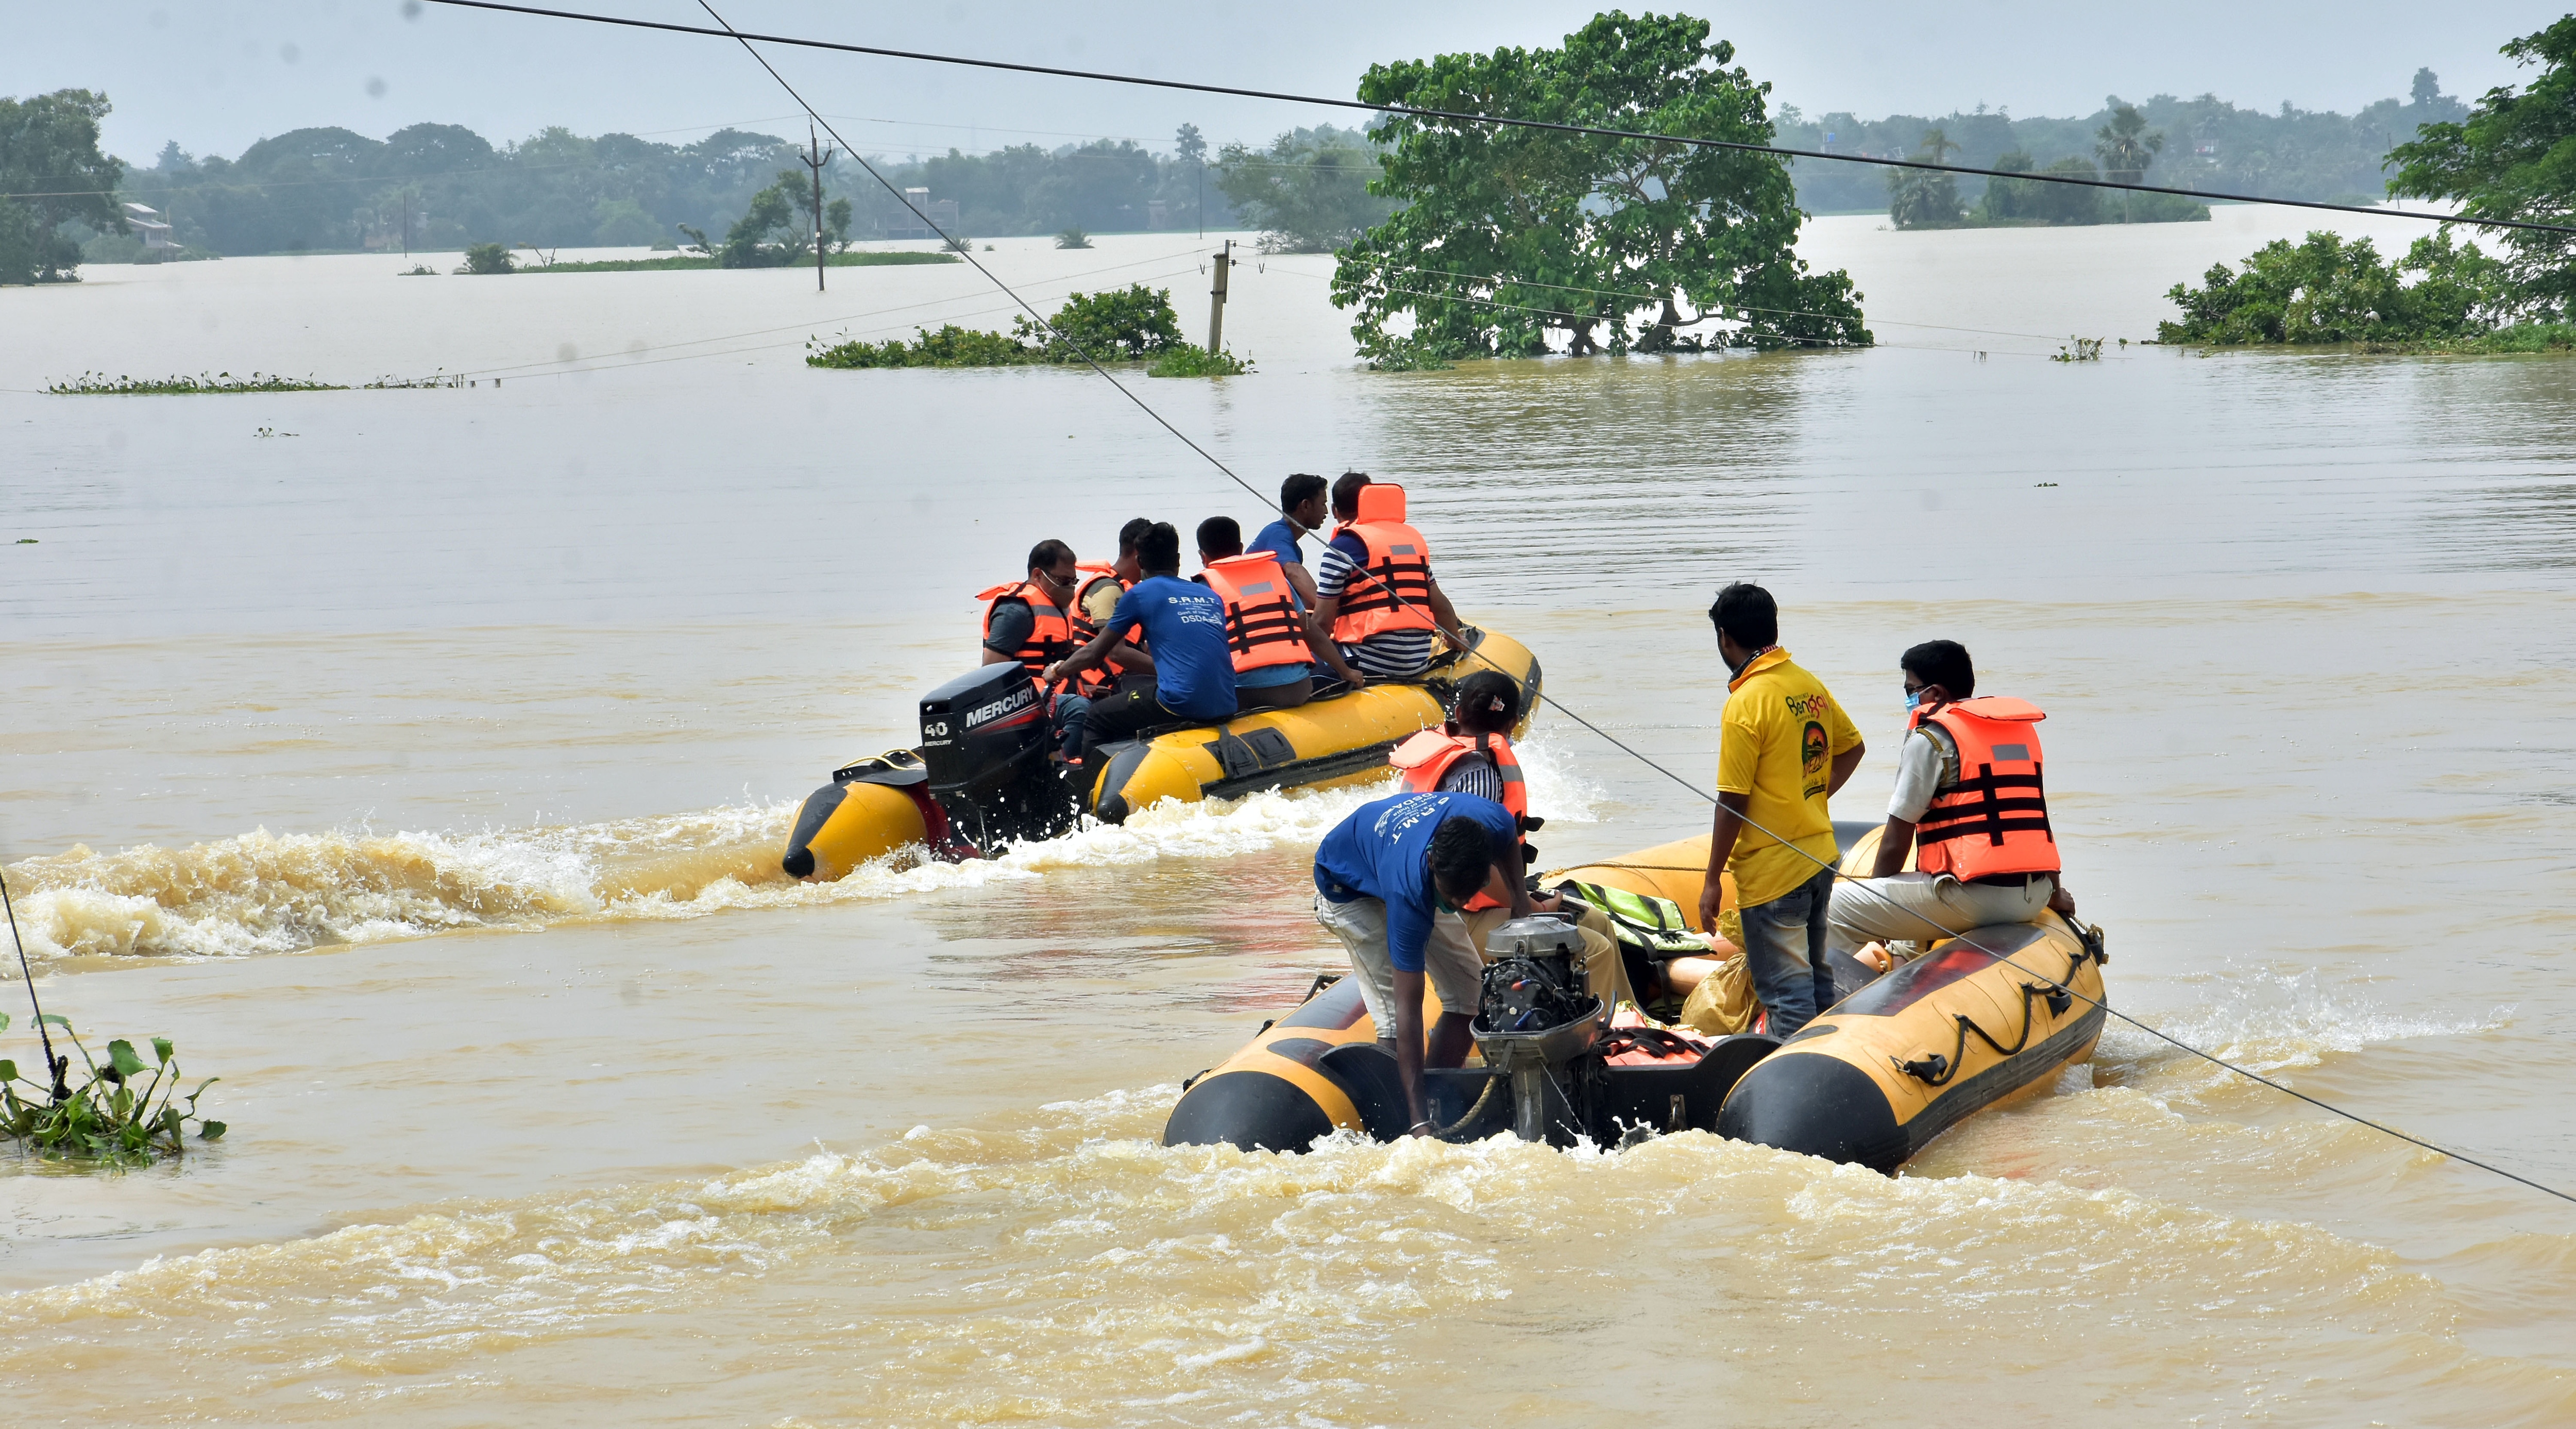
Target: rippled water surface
column 418, row 760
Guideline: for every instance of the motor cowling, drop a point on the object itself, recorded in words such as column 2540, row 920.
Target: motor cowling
column 984, row 741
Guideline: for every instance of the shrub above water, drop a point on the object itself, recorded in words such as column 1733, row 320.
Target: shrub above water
column 124, row 1113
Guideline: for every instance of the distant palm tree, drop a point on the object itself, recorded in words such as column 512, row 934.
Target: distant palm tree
column 2126, row 150
column 2124, row 147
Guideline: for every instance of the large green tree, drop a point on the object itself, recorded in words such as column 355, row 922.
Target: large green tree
column 2513, row 157
column 1511, row 234
column 49, row 153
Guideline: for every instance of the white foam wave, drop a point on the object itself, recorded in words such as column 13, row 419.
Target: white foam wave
column 2270, row 1022
column 273, row 893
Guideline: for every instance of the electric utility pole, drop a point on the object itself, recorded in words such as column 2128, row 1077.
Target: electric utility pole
column 1216, row 299
column 815, row 160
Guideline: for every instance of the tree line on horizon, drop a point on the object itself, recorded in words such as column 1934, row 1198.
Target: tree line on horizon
column 2211, row 145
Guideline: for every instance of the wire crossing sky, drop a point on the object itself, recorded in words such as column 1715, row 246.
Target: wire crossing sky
column 1197, row 87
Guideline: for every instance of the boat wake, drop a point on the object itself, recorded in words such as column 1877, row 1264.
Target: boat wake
column 264, row 892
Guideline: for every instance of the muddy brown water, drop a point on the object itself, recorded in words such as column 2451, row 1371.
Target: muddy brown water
column 422, row 772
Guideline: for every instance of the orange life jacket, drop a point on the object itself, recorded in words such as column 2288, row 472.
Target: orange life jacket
column 1085, row 628
column 1424, row 759
column 1262, row 626
column 1392, row 589
column 1994, row 821
column 1051, row 637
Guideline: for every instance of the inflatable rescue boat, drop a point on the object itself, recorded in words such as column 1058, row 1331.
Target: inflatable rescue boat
column 1974, row 1021
column 982, row 767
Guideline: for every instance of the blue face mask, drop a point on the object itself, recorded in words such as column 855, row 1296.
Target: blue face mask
column 1913, row 700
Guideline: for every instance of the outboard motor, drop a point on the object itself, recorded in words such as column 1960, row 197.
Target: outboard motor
column 1536, row 1019
column 984, row 741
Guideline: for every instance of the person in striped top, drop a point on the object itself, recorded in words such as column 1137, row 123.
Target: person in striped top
column 1396, row 654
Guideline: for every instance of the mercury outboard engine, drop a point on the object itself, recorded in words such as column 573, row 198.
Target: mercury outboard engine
column 984, row 740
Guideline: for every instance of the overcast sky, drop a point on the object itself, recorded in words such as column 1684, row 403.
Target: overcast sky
column 218, row 74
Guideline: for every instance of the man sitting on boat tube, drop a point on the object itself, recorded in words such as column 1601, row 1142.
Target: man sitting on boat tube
column 1185, row 630
column 1383, row 878
column 1984, row 853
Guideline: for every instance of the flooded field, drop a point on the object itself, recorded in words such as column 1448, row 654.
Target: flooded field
column 418, row 760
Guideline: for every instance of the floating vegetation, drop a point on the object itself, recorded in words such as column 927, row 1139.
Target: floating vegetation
column 679, row 262
column 1131, row 324
column 1073, row 238
column 418, row 270
column 1189, row 361
column 2086, row 349
column 108, row 1118
column 99, row 384
column 441, row 378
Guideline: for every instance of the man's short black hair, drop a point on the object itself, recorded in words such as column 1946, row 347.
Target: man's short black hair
column 1158, row 549
column 1346, row 494
column 1220, row 537
column 1462, row 858
column 1747, row 614
column 1047, row 555
column 1132, row 532
column 1489, row 702
column 1944, row 663
column 1299, row 489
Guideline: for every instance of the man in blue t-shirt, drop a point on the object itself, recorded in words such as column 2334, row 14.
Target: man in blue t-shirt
column 1389, row 881
column 1304, row 502
column 1184, row 627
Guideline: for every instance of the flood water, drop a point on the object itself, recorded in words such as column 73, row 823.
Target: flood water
column 418, row 761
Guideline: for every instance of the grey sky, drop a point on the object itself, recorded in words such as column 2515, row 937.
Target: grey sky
column 218, row 74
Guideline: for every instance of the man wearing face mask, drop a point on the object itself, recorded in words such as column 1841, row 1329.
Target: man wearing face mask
column 1968, row 805
column 1784, row 745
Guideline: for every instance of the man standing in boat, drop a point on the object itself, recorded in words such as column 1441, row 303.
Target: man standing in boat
column 1784, row 746
column 1184, row 627
column 1968, row 805
column 1383, row 879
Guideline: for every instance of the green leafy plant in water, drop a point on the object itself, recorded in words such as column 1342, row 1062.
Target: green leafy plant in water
column 489, row 258
column 2087, row 349
column 1189, row 361
column 1073, row 238
column 127, row 1112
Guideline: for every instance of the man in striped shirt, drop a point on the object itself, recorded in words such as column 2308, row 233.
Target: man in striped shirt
column 1389, row 654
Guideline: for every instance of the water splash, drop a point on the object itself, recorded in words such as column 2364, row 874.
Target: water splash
column 261, row 892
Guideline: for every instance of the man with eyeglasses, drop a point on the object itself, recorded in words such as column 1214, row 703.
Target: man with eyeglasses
column 1031, row 622
column 1389, row 883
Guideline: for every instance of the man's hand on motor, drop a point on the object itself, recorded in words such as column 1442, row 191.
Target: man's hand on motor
column 2062, row 903
column 1549, row 903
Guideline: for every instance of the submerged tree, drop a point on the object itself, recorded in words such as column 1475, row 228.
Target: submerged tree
column 2513, row 157
column 1512, row 234
column 1924, row 198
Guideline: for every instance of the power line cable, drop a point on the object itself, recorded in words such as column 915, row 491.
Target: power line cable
column 965, row 251
column 1461, row 117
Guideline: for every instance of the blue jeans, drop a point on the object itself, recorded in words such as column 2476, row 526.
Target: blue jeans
column 1784, row 949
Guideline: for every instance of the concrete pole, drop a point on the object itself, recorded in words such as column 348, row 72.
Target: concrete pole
column 1216, row 299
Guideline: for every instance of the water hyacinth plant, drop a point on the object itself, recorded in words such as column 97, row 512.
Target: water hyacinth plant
column 126, row 1112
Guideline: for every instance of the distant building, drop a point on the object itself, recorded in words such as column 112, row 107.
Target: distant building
column 145, row 221
column 942, row 212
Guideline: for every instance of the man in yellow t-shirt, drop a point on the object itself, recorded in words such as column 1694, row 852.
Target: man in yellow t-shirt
column 1784, row 744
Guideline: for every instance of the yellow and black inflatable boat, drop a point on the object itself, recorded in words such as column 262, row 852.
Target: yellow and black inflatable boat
column 1975, row 1021
column 982, row 761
